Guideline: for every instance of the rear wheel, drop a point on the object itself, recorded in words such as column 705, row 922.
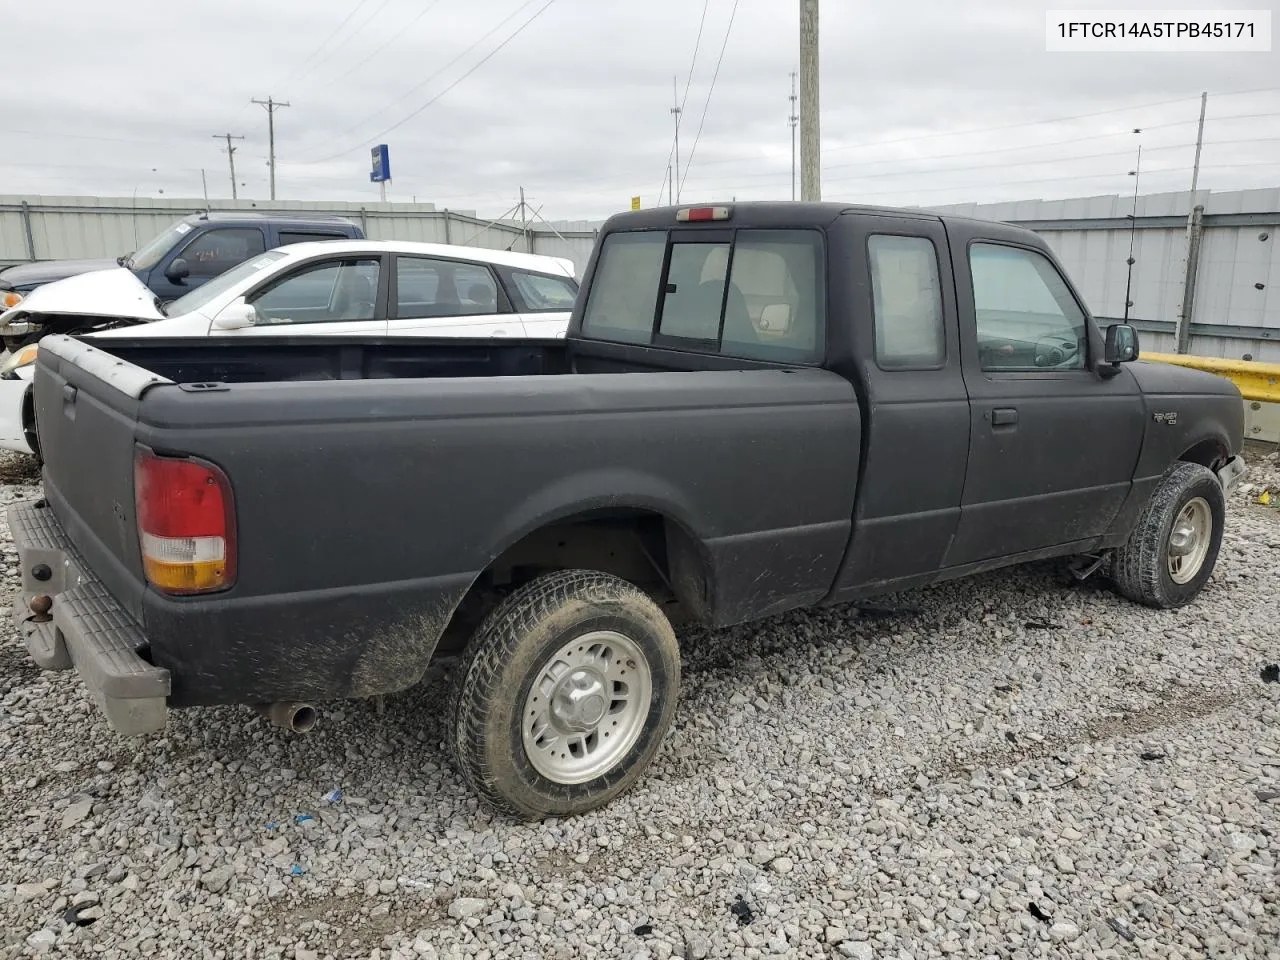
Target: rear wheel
column 1171, row 552
column 563, row 696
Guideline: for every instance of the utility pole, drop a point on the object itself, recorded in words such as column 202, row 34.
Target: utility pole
column 231, row 159
column 810, row 133
column 271, row 106
column 204, row 183
column 792, row 119
column 1195, row 169
column 1195, row 228
column 675, row 112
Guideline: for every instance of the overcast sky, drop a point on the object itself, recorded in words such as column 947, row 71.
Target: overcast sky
column 923, row 101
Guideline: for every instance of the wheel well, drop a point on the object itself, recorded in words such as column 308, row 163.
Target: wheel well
column 640, row 546
column 1209, row 453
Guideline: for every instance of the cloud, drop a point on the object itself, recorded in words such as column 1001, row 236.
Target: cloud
column 923, row 101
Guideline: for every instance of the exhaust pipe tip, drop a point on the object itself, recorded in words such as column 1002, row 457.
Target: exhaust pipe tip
column 290, row 715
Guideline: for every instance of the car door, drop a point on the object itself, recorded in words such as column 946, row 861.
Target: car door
column 545, row 301
column 434, row 296
column 329, row 297
column 901, row 323
column 1053, row 443
column 209, row 253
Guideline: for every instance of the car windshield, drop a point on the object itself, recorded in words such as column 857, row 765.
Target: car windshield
column 220, row 284
column 154, row 249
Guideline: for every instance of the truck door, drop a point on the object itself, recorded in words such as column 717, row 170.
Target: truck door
column 1052, row 444
column 895, row 277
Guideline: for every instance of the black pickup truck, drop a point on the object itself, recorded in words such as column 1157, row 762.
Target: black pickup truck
column 758, row 407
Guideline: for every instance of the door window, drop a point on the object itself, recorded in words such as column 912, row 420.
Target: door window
column 324, row 293
column 218, row 250
column 443, row 288
column 541, row 292
column 907, row 302
column 1027, row 319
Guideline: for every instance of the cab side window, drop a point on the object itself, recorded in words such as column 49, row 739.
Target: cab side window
column 1027, row 319
column 906, row 298
column 216, row 251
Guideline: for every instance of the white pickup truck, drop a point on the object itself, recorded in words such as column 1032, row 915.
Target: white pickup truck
column 329, row 288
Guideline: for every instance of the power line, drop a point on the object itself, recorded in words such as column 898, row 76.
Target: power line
column 480, row 63
column 397, row 34
column 423, row 83
column 697, row 43
column 780, row 174
column 710, row 90
column 1010, row 126
column 345, row 40
column 324, row 43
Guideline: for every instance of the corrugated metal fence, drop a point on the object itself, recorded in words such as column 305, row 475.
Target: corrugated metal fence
column 48, row 228
column 1236, row 301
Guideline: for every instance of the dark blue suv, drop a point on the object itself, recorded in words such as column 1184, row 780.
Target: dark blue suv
column 185, row 255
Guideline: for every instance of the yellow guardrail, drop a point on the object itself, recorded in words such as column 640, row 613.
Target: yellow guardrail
column 1256, row 381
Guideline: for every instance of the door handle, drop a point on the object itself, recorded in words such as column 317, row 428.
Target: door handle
column 1004, row 417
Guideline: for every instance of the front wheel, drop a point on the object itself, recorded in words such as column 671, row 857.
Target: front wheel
column 563, row 696
column 1172, row 550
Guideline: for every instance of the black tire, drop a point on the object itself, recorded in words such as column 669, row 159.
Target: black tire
column 1140, row 569
column 508, row 654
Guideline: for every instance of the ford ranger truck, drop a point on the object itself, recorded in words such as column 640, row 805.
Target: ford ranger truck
column 758, row 407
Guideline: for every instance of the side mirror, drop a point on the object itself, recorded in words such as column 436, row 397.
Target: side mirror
column 177, row 271
column 236, row 315
column 1121, row 345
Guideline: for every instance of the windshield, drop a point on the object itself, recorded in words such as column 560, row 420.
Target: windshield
column 155, row 248
column 220, row 284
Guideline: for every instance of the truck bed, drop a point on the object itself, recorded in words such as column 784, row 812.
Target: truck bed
column 374, row 481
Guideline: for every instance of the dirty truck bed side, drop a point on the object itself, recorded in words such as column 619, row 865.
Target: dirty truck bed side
column 366, row 508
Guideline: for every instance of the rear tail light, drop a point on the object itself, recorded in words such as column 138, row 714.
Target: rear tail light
column 701, row 214
column 186, row 523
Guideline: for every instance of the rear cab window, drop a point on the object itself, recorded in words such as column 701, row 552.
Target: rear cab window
column 752, row 293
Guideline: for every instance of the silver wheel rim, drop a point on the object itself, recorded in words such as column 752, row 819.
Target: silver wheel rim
column 587, row 707
column 1189, row 540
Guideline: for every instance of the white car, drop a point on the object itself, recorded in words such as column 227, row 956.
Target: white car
column 329, row 288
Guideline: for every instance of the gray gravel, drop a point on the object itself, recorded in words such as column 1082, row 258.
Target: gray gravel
column 1009, row 766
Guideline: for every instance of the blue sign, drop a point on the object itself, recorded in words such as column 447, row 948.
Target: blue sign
column 381, row 164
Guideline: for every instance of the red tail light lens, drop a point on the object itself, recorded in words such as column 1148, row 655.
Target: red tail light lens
column 186, row 523
column 701, row 214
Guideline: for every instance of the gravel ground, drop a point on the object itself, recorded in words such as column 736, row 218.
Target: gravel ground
column 1009, row 766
